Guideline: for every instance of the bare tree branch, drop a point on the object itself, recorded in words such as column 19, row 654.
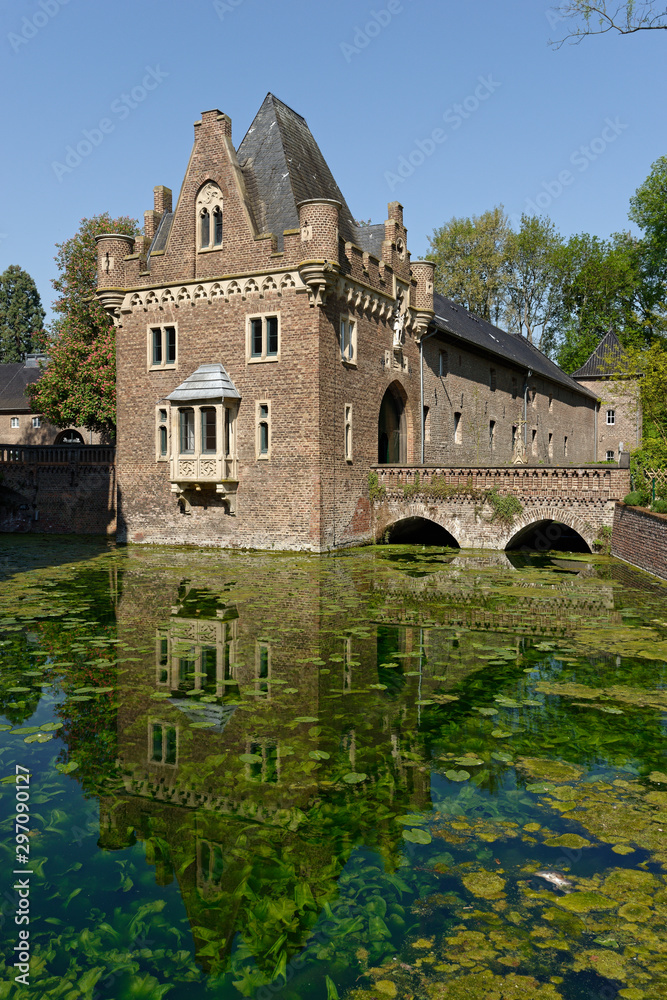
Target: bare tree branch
column 599, row 18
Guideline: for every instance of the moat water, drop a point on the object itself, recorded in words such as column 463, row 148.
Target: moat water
column 394, row 772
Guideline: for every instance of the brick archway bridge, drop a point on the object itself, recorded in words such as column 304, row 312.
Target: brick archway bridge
column 458, row 499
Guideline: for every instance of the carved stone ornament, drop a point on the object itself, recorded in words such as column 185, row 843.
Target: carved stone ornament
column 209, row 194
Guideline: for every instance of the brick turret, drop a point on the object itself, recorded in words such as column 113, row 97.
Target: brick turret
column 112, row 248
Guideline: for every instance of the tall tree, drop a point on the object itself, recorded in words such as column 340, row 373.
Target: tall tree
column 599, row 18
column 648, row 209
column 531, row 300
column 470, row 255
column 79, row 384
column 21, row 313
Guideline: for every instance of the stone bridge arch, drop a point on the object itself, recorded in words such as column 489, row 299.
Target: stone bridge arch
column 422, row 529
column 547, row 520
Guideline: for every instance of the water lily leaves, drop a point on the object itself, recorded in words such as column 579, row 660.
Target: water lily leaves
column 487, row 711
column 583, row 902
column 539, row 787
column 488, row 885
column 659, row 777
column 571, row 840
column 506, row 758
column 500, row 734
column 417, row 836
column 250, row 758
column 354, row 777
column 4, row 727
column 67, row 768
column 457, row 775
column 24, row 729
column 468, row 760
column 307, row 718
column 39, row 738
column 319, row 755
column 410, row 819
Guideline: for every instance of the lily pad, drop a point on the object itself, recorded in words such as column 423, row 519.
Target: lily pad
column 417, row 836
column 354, row 777
column 457, row 775
column 39, row 738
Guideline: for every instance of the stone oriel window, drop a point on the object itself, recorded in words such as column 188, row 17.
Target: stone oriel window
column 162, row 352
column 348, row 340
column 209, row 209
column 162, row 433
column 348, row 432
column 263, row 433
column 611, row 416
column 263, row 338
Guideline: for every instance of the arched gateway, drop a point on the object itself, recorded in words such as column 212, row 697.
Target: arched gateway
column 392, row 427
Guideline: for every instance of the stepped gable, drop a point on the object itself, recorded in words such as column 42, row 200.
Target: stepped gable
column 457, row 321
column 603, row 362
column 282, row 165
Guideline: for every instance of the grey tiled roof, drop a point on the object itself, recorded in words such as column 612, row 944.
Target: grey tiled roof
column 370, row 238
column 604, row 359
column 13, row 380
column 283, row 165
column 161, row 233
column 456, row 320
column 208, row 382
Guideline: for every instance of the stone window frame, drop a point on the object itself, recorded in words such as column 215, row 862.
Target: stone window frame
column 611, row 422
column 162, row 424
column 348, row 439
column 609, row 456
column 260, row 420
column 347, row 340
column 165, row 726
column 264, row 357
column 209, row 199
column 36, row 422
column 164, row 364
column 14, row 422
column 263, row 669
column 221, row 429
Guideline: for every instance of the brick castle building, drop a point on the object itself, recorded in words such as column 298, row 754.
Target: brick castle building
column 271, row 350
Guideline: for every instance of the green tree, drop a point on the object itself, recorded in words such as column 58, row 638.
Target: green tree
column 79, row 384
column 648, row 209
column 599, row 18
column 470, row 255
column 531, row 297
column 21, row 313
column 648, row 366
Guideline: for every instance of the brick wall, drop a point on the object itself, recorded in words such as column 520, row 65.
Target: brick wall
column 640, row 538
column 44, row 490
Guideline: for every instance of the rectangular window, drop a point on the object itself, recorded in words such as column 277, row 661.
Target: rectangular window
column 263, row 429
column 186, row 419
column 492, row 380
column 610, row 456
column 348, row 340
column 162, row 347
column 162, row 743
column 209, row 444
column 36, row 421
column 348, row 432
column 492, row 434
column 14, row 422
column 611, row 416
column 263, row 338
column 161, row 434
column 457, row 428
column 443, row 363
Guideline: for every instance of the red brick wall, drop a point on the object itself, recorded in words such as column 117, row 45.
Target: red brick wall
column 640, row 538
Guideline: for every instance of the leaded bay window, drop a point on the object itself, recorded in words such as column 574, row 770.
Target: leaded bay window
column 202, row 433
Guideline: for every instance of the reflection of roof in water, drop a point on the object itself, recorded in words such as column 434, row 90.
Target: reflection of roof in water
column 217, row 716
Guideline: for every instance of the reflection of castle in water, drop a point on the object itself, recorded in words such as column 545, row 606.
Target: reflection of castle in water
column 237, row 729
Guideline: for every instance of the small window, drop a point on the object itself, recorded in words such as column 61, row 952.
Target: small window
column 443, row 363
column 514, row 388
column 186, row 423
column 492, row 434
column 551, row 402
column 565, row 446
column 348, row 340
column 204, row 228
column 208, row 216
column 36, row 421
column 162, row 434
column 611, row 416
column 162, row 347
column 217, row 226
column 533, row 396
column 533, row 442
column 263, row 338
column 514, row 438
column 208, row 430
column 348, row 432
column 427, row 424
column 457, row 428
column 14, row 422
column 610, row 456
column 551, row 447
column 263, row 429
column 492, row 379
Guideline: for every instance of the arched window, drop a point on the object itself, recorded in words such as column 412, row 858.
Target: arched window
column 209, row 208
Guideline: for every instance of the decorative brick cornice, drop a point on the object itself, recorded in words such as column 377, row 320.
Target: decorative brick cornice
column 191, row 293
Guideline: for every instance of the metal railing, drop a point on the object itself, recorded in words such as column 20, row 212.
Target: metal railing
column 57, row 454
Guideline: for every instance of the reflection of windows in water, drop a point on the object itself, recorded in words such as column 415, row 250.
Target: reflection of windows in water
column 266, row 769
column 390, row 640
column 163, row 743
column 209, row 668
column 262, row 668
column 210, row 868
column 348, row 746
column 347, row 666
column 186, row 668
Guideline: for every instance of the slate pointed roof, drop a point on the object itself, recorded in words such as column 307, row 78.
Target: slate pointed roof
column 208, row 382
column 14, row 378
column 455, row 320
column 283, row 165
column 604, row 359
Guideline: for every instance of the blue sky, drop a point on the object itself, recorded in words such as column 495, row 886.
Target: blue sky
column 449, row 106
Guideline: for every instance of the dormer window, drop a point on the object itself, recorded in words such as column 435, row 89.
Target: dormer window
column 209, row 217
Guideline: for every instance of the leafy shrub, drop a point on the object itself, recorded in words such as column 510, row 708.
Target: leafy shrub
column 659, row 506
column 638, row 498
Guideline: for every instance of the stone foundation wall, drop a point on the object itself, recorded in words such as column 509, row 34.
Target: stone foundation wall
column 640, row 538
